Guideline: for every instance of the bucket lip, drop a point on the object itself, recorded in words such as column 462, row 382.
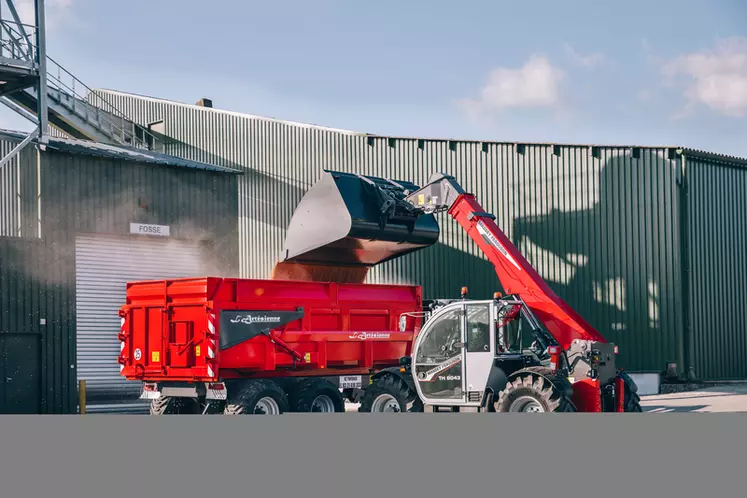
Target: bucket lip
column 408, row 185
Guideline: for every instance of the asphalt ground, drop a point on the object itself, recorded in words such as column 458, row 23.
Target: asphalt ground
column 717, row 399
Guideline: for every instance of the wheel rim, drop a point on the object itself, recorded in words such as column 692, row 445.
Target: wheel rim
column 323, row 403
column 527, row 404
column 267, row 406
column 385, row 403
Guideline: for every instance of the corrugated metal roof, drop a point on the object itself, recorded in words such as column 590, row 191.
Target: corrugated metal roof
column 712, row 156
column 74, row 146
column 230, row 113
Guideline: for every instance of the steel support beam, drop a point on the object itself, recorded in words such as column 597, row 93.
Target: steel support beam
column 18, row 148
column 41, row 59
column 20, row 110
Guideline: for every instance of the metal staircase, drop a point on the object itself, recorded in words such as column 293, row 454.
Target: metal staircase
column 24, row 69
column 71, row 111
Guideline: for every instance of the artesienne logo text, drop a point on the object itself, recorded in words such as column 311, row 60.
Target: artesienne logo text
column 249, row 319
column 369, row 335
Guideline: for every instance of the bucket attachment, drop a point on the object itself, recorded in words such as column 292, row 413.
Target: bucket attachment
column 354, row 221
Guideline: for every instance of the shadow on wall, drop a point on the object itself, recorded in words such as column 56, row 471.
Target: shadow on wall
column 616, row 263
column 441, row 271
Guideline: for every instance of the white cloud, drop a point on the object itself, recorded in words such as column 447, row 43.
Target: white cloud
column 589, row 60
column 715, row 78
column 536, row 84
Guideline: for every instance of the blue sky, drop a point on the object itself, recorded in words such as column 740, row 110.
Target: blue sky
column 652, row 73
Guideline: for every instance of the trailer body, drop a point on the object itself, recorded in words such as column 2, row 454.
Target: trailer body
column 206, row 330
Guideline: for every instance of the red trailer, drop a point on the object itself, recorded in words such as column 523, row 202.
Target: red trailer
column 273, row 345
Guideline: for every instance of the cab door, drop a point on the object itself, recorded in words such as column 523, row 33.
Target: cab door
column 454, row 354
column 438, row 360
column 479, row 318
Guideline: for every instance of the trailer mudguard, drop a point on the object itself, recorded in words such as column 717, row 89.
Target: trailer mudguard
column 405, row 376
column 497, row 380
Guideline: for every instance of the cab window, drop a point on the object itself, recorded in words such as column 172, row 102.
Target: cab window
column 478, row 328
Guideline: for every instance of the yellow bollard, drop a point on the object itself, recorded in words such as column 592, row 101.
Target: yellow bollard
column 82, row 396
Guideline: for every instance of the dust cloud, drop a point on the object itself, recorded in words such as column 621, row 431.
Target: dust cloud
column 318, row 273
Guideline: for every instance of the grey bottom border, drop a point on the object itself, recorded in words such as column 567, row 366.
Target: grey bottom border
column 390, row 455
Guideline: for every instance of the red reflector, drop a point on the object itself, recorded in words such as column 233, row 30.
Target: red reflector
column 216, row 387
column 616, row 350
column 553, row 350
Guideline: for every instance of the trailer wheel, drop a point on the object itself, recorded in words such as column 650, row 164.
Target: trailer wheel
column 530, row 392
column 169, row 405
column 389, row 393
column 631, row 401
column 317, row 395
column 257, row 397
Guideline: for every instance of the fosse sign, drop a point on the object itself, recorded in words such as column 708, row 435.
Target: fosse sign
column 142, row 229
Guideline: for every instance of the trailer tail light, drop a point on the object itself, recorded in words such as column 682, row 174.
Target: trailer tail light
column 216, row 391
column 554, row 352
column 150, row 391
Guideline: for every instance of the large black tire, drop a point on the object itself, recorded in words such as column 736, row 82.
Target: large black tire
column 390, row 393
column 631, row 399
column 167, row 405
column 246, row 400
column 534, row 389
column 317, row 395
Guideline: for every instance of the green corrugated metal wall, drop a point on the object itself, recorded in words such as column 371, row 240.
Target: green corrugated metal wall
column 37, row 283
column 94, row 195
column 598, row 223
column 718, row 250
column 82, row 194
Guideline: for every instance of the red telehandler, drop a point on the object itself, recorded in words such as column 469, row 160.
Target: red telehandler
column 315, row 333
column 524, row 351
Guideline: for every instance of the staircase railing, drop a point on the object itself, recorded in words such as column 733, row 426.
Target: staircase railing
column 67, row 90
column 18, row 48
column 16, row 42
